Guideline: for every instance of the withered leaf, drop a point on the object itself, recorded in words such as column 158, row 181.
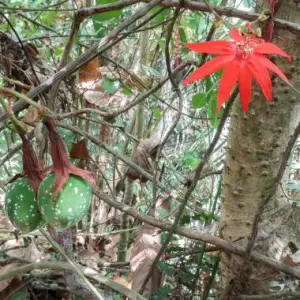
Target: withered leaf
column 145, row 248
column 79, row 150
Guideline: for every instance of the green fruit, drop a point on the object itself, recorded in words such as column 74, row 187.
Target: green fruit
column 21, row 206
column 71, row 204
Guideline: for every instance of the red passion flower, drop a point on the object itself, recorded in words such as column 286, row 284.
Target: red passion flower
column 242, row 59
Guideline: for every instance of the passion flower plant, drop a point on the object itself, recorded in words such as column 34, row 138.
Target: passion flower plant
column 242, row 59
column 65, row 194
column 20, row 200
column 21, row 206
column 71, row 204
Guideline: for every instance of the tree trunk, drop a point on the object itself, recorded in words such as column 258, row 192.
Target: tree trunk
column 256, row 145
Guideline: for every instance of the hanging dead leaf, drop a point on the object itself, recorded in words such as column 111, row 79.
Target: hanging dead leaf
column 32, row 253
column 145, row 248
column 90, row 71
column 31, row 50
column 163, row 203
column 79, row 150
column 32, row 115
column 145, row 151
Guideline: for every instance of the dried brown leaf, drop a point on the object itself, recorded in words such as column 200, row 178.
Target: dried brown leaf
column 79, row 150
column 32, row 253
column 32, row 115
column 142, row 156
column 90, row 71
column 146, row 246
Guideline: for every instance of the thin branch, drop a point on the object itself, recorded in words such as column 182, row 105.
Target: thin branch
column 196, row 235
column 64, row 60
column 231, row 12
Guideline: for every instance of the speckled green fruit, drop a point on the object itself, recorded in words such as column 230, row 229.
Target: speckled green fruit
column 21, row 206
column 71, row 204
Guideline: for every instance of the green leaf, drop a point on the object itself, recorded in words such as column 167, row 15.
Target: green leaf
column 199, row 100
column 162, row 293
column 158, row 19
column 204, row 216
column 109, row 86
column 169, row 270
column 162, row 212
column 185, row 220
column 209, row 85
column 163, row 237
column 211, row 113
column 19, row 295
column 196, row 22
column 190, row 161
column 156, row 112
column 214, row 117
column 102, row 17
column 48, row 18
column 247, row 3
column 126, row 91
column 182, row 35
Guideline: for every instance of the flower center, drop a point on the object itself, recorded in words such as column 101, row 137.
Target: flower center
column 244, row 49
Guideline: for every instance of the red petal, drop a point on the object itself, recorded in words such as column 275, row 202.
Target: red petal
column 269, row 48
column 228, row 79
column 212, row 66
column 235, row 35
column 245, row 85
column 262, row 77
column 269, row 65
column 213, row 47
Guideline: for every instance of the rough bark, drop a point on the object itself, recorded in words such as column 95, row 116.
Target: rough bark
column 255, row 148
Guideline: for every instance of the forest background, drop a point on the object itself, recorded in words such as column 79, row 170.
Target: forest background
column 189, row 203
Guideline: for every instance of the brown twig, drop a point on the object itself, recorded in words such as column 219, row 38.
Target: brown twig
column 196, row 235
